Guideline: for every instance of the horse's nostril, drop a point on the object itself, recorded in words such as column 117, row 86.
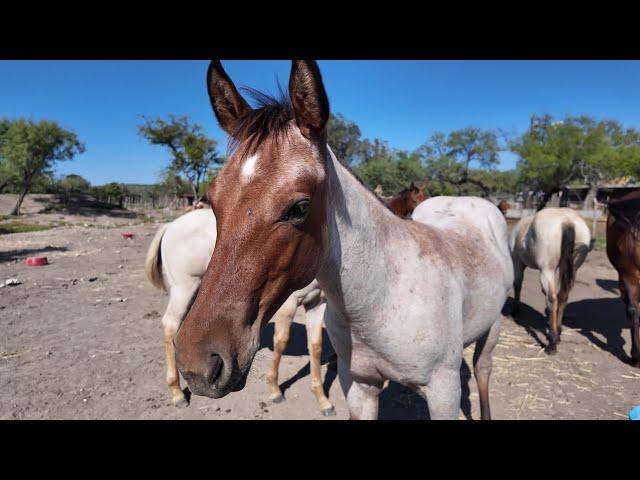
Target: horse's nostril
column 215, row 368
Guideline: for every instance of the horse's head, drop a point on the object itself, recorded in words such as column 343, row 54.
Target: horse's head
column 269, row 202
column 504, row 206
column 415, row 197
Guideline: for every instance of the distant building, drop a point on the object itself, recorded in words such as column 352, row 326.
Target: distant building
column 608, row 191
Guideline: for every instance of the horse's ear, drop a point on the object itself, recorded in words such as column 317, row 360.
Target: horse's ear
column 227, row 103
column 413, row 187
column 308, row 97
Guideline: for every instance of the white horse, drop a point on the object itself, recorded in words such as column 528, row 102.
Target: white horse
column 404, row 297
column 556, row 242
column 176, row 260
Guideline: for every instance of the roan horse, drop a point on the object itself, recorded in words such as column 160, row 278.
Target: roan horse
column 176, row 260
column 403, row 298
column 623, row 250
column 556, row 242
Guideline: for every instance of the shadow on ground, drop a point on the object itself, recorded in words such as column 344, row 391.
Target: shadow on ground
column 11, row 255
column 596, row 319
column 608, row 285
column 82, row 205
column 397, row 402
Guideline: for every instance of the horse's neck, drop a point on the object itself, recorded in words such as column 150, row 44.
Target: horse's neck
column 360, row 232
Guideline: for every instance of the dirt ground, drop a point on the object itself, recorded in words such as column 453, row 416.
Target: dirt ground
column 81, row 339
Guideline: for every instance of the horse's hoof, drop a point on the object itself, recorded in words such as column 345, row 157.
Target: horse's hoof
column 278, row 399
column 180, row 402
column 551, row 350
column 635, row 362
column 329, row 412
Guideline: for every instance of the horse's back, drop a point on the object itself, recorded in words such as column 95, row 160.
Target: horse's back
column 476, row 225
column 467, row 216
column 187, row 245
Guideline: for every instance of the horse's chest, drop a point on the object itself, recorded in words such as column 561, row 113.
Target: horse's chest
column 407, row 360
column 369, row 366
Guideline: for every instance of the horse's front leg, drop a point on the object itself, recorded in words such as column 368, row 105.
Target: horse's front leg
column 179, row 301
column 282, row 322
column 443, row 393
column 362, row 398
column 313, row 325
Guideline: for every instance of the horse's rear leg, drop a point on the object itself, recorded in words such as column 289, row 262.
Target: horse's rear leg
column 482, row 364
column 179, row 302
column 282, row 320
column 548, row 283
column 518, row 276
column 314, row 344
column 633, row 314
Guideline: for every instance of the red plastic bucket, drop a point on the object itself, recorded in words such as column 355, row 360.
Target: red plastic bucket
column 36, row 261
column 127, row 235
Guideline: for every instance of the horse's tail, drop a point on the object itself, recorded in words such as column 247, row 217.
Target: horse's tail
column 153, row 262
column 566, row 264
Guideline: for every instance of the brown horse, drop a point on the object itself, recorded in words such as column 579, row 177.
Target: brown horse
column 404, row 203
column 623, row 250
column 503, row 206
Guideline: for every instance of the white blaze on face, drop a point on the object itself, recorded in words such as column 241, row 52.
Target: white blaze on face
column 249, row 167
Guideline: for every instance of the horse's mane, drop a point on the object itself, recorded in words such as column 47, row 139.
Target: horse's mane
column 627, row 210
column 271, row 117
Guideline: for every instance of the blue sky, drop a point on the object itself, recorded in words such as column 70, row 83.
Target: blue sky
column 403, row 102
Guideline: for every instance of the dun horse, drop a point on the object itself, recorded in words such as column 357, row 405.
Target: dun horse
column 178, row 257
column 623, row 250
column 403, row 298
column 556, row 242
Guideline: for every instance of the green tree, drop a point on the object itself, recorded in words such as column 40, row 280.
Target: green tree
column 115, row 190
column 343, row 136
column 193, row 153
column 29, row 150
column 450, row 158
column 172, row 182
column 374, row 150
column 380, row 171
column 4, row 176
column 553, row 154
column 392, row 170
column 72, row 184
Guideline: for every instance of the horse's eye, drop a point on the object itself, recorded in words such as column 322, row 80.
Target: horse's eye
column 296, row 213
